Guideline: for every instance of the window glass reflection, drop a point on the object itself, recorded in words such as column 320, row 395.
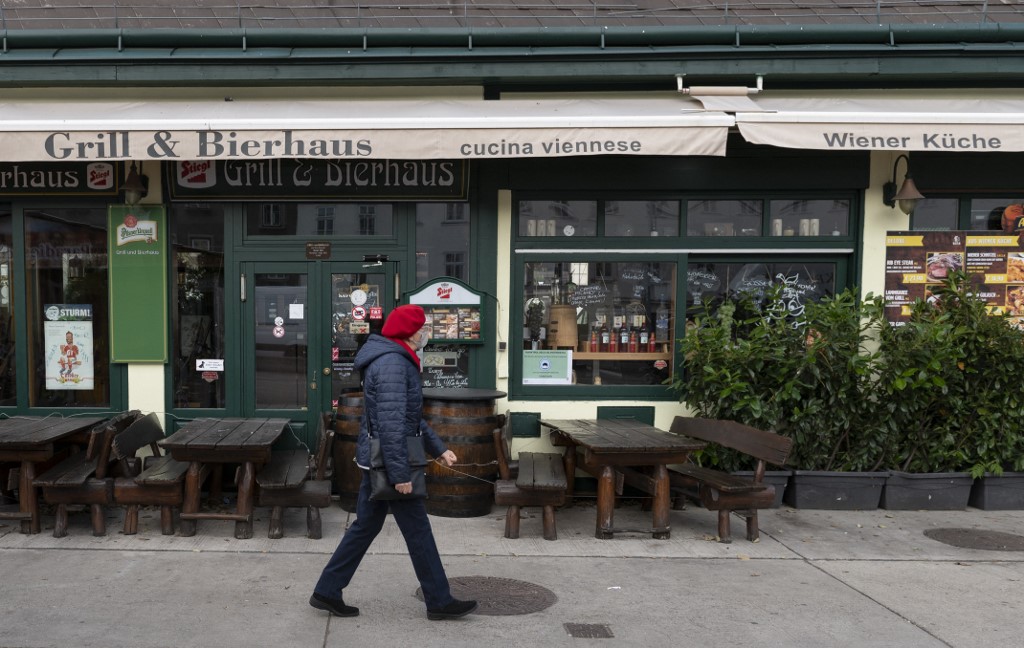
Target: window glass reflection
column 553, row 218
column 442, row 241
column 641, row 218
column 197, row 292
column 724, row 217
column 936, row 214
column 810, row 218
column 8, row 349
column 66, row 282
column 344, row 220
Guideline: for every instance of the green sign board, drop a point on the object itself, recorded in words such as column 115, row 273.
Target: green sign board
column 138, row 283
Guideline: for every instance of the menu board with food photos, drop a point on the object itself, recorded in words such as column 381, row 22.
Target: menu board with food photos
column 452, row 308
column 915, row 262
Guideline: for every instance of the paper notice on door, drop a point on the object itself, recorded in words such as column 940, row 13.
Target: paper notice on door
column 296, row 311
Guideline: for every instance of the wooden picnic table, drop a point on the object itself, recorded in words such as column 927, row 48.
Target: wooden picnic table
column 31, row 440
column 213, row 442
column 626, row 450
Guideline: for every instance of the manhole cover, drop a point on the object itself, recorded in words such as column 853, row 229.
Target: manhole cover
column 978, row 539
column 588, row 630
column 500, row 596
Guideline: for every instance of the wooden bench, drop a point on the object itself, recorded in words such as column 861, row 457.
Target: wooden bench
column 294, row 478
column 157, row 480
column 536, row 479
column 721, row 491
column 83, row 477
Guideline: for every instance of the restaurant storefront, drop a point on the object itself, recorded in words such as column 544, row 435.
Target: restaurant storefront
column 590, row 222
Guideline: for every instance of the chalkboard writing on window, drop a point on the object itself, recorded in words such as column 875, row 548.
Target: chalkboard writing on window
column 589, row 294
column 798, row 283
column 446, row 366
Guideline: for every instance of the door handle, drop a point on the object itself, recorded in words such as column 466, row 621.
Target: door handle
column 312, row 385
column 327, row 371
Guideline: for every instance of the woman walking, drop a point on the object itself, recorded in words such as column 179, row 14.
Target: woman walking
column 393, row 402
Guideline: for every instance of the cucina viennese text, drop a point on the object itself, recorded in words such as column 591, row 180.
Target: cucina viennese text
column 923, row 141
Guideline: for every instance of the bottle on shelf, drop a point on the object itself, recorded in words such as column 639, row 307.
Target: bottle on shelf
column 644, row 340
column 623, row 338
column 605, row 337
column 613, row 341
column 633, row 341
column 593, row 339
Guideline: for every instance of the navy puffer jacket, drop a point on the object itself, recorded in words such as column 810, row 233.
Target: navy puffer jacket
column 392, row 405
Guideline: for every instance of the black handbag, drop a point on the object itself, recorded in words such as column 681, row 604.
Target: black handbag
column 381, row 489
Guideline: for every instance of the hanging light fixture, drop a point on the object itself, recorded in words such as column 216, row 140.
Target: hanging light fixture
column 907, row 196
column 135, row 186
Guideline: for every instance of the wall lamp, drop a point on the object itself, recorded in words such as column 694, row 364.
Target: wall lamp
column 907, row 196
column 135, row 186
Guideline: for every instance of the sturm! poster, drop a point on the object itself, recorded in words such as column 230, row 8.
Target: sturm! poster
column 67, row 335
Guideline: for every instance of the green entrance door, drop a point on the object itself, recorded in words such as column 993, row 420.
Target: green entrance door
column 302, row 325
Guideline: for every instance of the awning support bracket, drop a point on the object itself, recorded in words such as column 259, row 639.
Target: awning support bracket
column 719, row 90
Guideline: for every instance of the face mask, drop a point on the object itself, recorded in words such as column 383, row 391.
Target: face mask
column 424, row 338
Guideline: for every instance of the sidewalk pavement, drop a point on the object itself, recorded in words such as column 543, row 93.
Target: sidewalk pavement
column 815, row 579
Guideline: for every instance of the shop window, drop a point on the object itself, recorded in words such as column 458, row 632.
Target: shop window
column 66, row 284
column 197, row 295
column 341, row 220
column 442, row 241
column 987, row 213
column 935, row 214
column 709, row 283
column 724, row 217
column 551, row 218
column 615, row 317
column 977, row 213
column 615, row 304
column 809, row 217
column 8, row 364
column 641, row 218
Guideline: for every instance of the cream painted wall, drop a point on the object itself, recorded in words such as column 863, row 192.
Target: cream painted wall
column 879, row 219
column 146, row 388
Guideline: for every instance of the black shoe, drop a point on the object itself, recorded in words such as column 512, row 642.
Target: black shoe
column 336, row 606
column 453, row 610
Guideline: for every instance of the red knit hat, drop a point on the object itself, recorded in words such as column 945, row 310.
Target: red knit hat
column 404, row 322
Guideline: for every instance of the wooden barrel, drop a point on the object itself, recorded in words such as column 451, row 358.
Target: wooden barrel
column 466, row 427
column 346, row 432
column 562, row 331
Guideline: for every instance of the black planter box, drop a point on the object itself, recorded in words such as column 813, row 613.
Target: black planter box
column 836, row 491
column 777, row 478
column 998, row 493
column 926, row 491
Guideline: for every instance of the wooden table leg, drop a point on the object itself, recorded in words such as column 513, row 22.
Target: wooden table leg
column 569, row 462
column 605, row 503
column 243, row 529
column 193, row 486
column 28, row 498
column 661, row 503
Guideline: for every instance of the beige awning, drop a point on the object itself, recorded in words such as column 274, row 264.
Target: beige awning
column 880, row 124
column 164, row 129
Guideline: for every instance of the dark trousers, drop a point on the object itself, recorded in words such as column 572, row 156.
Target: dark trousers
column 411, row 516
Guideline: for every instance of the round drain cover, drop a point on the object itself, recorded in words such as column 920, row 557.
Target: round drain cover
column 500, row 596
column 978, row 539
